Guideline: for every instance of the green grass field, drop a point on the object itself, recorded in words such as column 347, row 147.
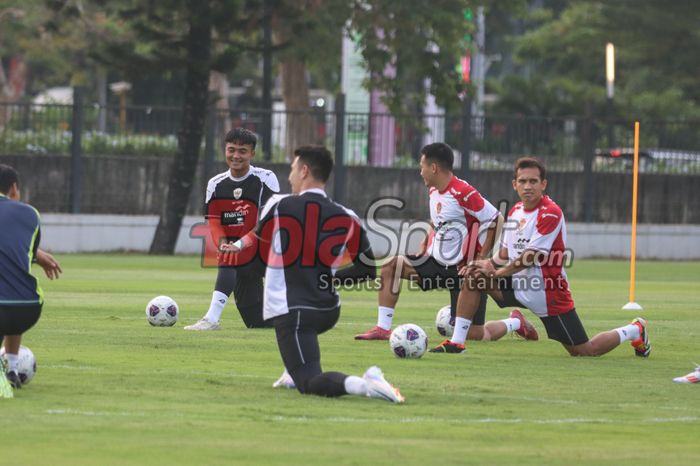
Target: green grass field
column 110, row 389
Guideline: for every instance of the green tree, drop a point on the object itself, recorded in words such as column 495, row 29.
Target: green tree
column 563, row 59
column 166, row 37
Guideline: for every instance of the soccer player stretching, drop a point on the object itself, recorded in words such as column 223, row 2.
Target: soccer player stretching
column 233, row 201
column 528, row 272
column 304, row 238
column 458, row 213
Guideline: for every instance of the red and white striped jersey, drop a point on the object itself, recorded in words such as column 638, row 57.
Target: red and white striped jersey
column 543, row 288
column 455, row 212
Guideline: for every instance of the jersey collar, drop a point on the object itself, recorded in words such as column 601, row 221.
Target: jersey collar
column 250, row 170
column 449, row 185
column 314, row 191
column 539, row 204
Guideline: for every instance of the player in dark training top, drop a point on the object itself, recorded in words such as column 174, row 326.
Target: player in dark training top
column 309, row 243
column 21, row 298
column 232, row 205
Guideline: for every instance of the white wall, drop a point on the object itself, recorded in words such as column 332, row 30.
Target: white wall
column 101, row 233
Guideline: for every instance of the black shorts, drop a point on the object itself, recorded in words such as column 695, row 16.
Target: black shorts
column 480, row 316
column 433, row 275
column 15, row 320
column 565, row 328
column 505, row 286
column 297, row 339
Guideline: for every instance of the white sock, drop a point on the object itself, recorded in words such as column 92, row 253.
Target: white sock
column 512, row 324
column 355, row 385
column 628, row 332
column 12, row 362
column 218, row 301
column 385, row 315
column 461, row 329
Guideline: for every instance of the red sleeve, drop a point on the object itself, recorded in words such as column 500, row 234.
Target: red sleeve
column 548, row 220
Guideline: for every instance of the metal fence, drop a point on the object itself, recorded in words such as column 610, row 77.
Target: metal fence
column 492, row 142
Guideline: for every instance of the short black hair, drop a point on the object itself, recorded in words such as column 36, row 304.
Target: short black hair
column 241, row 136
column 319, row 160
column 530, row 162
column 8, row 177
column 440, row 153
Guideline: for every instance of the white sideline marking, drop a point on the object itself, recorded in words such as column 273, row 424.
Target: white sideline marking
column 93, row 413
column 69, row 367
column 416, row 420
column 230, row 375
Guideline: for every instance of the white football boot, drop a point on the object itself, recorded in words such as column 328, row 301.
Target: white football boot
column 378, row 387
column 204, row 324
column 285, row 381
column 693, row 377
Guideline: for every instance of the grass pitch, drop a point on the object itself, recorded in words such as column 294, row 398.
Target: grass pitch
column 110, row 389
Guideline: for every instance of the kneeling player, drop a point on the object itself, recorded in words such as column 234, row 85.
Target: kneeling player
column 233, row 201
column 298, row 298
column 21, row 298
column 457, row 213
column 532, row 253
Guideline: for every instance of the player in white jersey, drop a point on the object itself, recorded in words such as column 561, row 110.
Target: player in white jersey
column 458, row 214
column 528, row 271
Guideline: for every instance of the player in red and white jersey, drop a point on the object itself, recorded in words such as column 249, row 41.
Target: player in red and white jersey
column 458, row 214
column 528, row 271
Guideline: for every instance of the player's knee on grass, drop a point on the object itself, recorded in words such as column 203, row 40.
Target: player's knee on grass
column 330, row 384
column 584, row 349
column 477, row 332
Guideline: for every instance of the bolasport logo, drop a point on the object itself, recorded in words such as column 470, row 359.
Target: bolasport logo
column 335, row 242
column 282, row 240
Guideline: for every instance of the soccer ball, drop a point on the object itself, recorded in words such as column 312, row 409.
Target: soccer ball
column 444, row 322
column 162, row 311
column 27, row 364
column 408, row 341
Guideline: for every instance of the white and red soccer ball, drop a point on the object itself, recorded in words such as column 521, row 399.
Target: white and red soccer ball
column 408, row 341
column 444, row 322
column 27, row 364
column 162, row 311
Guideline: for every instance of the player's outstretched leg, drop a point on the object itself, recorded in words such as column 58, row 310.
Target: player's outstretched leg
column 604, row 342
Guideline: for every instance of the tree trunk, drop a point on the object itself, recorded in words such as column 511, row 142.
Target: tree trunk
column 191, row 128
column 12, row 86
column 295, row 91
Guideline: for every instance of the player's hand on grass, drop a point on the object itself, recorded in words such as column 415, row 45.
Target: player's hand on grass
column 51, row 267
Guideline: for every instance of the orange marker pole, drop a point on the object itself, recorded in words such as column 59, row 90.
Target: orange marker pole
column 633, row 253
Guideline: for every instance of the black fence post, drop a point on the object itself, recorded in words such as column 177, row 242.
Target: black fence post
column 466, row 145
column 340, row 173
column 588, row 154
column 76, row 180
column 209, row 143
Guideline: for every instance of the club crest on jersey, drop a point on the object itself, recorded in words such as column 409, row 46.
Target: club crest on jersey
column 521, row 224
column 438, row 207
column 237, row 193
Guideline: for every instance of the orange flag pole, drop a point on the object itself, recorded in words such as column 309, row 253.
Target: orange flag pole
column 631, row 305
